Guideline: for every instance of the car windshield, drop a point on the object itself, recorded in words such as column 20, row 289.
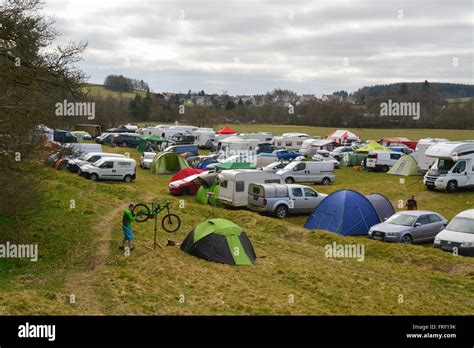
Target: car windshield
column 442, row 166
column 461, row 224
column 291, row 165
column 401, row 219
column 149, row 156
column 98, row 163
column 190, row 178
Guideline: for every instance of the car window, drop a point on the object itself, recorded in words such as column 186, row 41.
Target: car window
column 239, row 186
column 310, row 193
column 423, row 220
column 94, row 159
column 297, row 192
column 300, row 166
column 434, row 218
column 395, row 156
column 125, row 164
column 107, row 165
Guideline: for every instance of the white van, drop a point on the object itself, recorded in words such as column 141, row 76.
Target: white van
column 111, row 168
column 234, row 184
column 453, row 167
column 458, row 236
column 75, row 164
column 306, row 171
column 381, row 160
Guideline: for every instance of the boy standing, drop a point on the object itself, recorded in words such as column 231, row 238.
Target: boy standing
column 127, row 220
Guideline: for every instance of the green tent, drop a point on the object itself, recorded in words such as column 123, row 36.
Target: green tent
column 235, row 165
column 353, row 159
column 372, row 146
column 152, row 139
column 203, row 198
column 220, row 240
column 167, row 163
column 406, row 166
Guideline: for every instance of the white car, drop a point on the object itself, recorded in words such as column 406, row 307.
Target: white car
column 110, row 168
column 275, row 166
column 458, row 236
column 146, row 159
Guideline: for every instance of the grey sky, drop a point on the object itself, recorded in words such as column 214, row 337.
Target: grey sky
column 249, row 47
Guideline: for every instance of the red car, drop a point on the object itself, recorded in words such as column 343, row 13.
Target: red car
column 186, row 186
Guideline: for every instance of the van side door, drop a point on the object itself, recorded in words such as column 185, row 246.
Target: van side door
column 459, row 173
column 300, row 172
column 107, row 170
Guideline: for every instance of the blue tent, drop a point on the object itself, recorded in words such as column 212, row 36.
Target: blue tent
column 348, row 213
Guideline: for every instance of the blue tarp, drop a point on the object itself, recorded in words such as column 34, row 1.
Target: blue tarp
column 203, row 164
column 348, row 212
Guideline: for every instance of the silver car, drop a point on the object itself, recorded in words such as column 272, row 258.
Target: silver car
column 411, row 226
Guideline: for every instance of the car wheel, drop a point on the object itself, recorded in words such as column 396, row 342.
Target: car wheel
column 94, row 177
column 127, row 178
column 290, row 180
column 326, row 181
column 452, row 186
column 385, row 169
column 430, row 188
column 406, row 239
column 281, row 211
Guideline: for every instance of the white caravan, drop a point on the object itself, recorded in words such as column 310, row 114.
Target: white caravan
column 263, row 137
column 234, row 184
column 310, row 147
column 156, row 130
column 204, row 137
column 424, row 161
column 453, row 167
column 291, row 141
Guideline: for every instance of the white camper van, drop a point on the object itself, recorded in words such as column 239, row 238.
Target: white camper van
column 310, row 147
column 156, row 130
column 424, row 161
column 306, row 171
column 204, row 137
column 234, row 184
column 291, row 141
column 453, row 167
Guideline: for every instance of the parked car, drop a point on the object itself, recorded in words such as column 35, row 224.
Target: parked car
column 324, row 156
column 265, row 148
column 110, row 168
column 146, row 159
column 306, row 171
column 381, row 160
column 275, row 166
column 283, row 199
column 186, row 186
column 412, row 226
column 127, row 139
column 63, row 136
column 284, row 154
column 458, row 235
column 105, row 138
column 339, row 152
column 74, row 164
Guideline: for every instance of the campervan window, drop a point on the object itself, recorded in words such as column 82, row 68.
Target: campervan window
column 460, row 167
column 288, row 143
column 299, row 143
column 395, row 156
column 443, row 165
column 125, row 164
column 240, row 186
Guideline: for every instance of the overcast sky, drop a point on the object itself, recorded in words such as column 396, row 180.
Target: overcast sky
column 252, row 46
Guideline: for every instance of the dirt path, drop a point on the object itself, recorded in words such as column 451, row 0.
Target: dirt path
column 83, row 284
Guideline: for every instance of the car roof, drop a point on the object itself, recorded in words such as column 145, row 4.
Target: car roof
column 417, row 212
column 466, row 213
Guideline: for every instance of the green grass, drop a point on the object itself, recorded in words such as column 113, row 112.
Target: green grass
column 101, row 91
column 79, row 255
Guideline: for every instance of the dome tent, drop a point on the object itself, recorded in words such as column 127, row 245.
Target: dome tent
column 348, row 212
column 406, row 166
column 167, row 163
column 220, row 240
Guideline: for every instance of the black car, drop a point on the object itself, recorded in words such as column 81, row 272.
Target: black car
column 265, row 148
column 126, row 140
column 63, row 136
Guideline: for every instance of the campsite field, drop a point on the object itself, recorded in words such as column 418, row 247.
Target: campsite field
column 79, row 259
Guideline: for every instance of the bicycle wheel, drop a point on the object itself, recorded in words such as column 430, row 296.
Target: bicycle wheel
column 141, row 212
column 171, row 223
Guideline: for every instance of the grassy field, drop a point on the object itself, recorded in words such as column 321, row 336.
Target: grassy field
column 79, row 258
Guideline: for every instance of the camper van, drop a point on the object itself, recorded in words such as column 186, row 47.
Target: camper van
column 310, row 147
column 234, row 184
column 424, row 161
column 204, row 138
column 156, row 130
column 453, row 167
column 291, row 141
column 110, row 168
column 306, row 171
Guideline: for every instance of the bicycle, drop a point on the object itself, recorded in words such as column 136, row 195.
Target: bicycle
column 170, row 222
